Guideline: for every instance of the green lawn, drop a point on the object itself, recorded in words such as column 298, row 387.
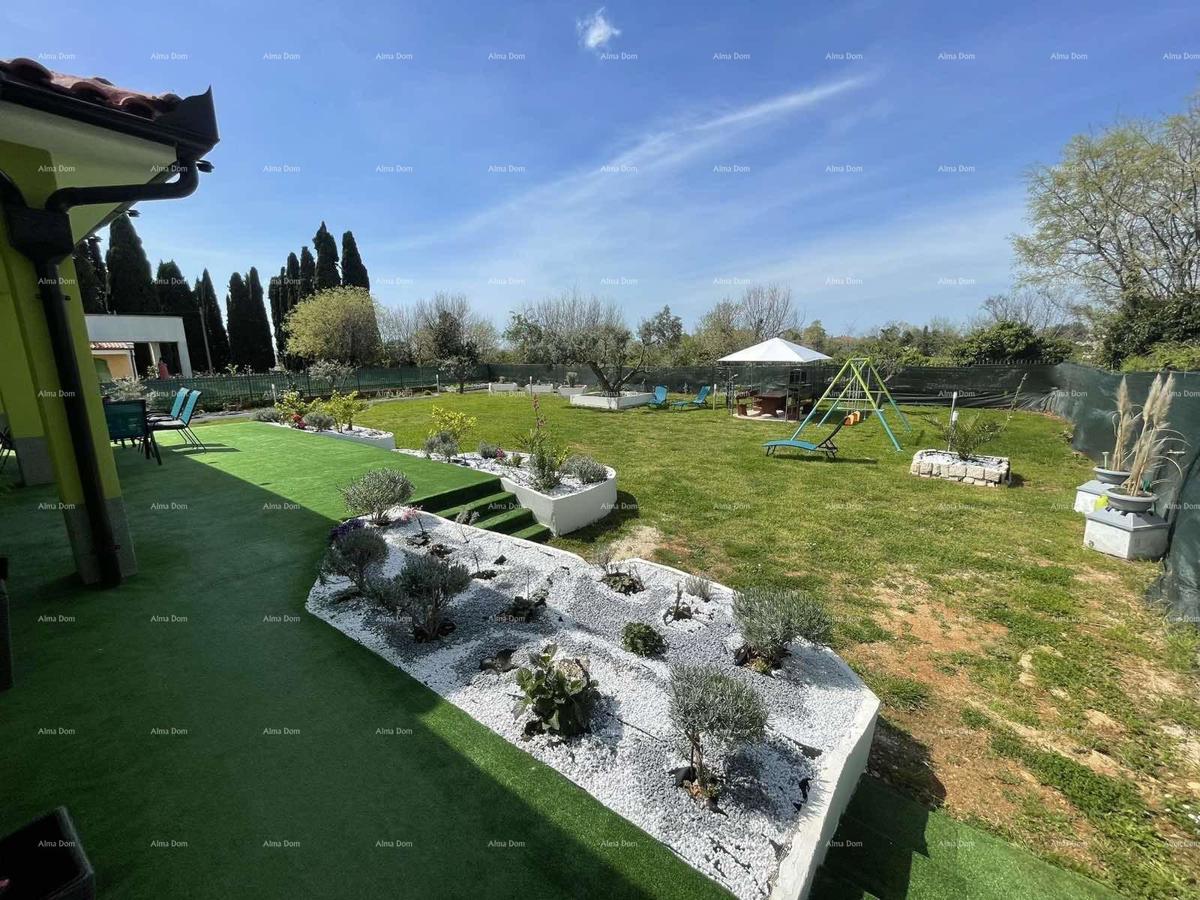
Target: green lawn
column 1027, row 687
column 227, row 541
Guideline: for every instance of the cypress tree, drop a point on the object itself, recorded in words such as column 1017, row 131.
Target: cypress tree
column 327, row 259
column 98, row 266
column 237, row 304
column 308, row 275
column 177, row 299
column 130, row 287
column 354, row 273
column 261, row 351
column 90, row 293
column 275, row 300
column 218, row 341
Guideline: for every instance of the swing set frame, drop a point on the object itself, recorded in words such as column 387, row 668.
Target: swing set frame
column 862, row 390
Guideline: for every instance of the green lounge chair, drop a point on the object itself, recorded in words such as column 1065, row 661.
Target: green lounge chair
column 696, row 402
column 660, row 398
column 827, row 446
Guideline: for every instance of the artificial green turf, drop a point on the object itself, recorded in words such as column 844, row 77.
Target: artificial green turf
column 225, row 541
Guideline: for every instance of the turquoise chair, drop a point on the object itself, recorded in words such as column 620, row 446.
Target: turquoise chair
column 696, row 402
column 183, row 423
column 176, row 407
column 827, row 446
column 660, row 398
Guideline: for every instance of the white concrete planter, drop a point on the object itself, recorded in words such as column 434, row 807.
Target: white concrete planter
column 568, row 512
column 822, row 716
column 539, row 388
column 503, row 387
column 992, row 471
column 384, row 440
column 627, row 400
column 565, row 390
column 1126, row 535
column 1088, row 496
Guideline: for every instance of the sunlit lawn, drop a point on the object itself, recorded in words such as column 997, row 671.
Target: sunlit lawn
column 1026, row 683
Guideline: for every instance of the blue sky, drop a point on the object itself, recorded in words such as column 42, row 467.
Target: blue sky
column 870, row 156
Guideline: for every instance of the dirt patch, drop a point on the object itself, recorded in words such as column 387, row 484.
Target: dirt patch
column 642, row 541
column 1141, row 680
column 914, row 611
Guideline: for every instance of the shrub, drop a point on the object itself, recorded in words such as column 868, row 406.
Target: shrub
column 1180, row 356
column 545, row 467
column 319, row 420
column 377, row 491
column 488, row 450
column 344, row 407
column 291, row 404
column 712, row 711
column 442, row 444
column 448, row 421
column 966, row 437
column 585, row 469
column 354, row 554
column 769, row 619
column 560, row 694
column 515, row 460
column 270, row 414
column 424, row 589
column 698, row 587
column 571, row 376
column 642, row 640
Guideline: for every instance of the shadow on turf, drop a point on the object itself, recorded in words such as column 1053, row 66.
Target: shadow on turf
column 454, row 788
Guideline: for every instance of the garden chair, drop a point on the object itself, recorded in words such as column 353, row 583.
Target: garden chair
column 176, row 407
column 826, row 446
column 696, row 402
column 660, row 398
column 126, row 421
column 183, row 423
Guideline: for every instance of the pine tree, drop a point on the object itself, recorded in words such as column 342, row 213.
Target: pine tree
column 218, row 340
column 263, row 354
column 327, row 260
column 177, row 299
column 130, row 287
column 308, row 275
column 90, row 293
column 354, row 273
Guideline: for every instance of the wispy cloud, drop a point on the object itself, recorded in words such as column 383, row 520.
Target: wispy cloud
column 596, row 31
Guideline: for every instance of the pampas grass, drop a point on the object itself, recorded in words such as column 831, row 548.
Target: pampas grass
column 1152, row 447
column 1124, row 421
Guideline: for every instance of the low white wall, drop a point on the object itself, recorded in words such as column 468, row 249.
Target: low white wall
column 625, row 401
column 570, row 512
column 568, row 391
column 839, row 771
column 540, row 388
column 502, row 387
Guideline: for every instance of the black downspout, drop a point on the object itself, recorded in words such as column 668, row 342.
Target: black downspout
column 44, row 236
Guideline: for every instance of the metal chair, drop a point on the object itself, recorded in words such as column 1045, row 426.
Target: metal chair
column 182, row 424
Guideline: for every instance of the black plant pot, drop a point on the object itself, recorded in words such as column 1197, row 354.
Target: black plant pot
column 45, row 861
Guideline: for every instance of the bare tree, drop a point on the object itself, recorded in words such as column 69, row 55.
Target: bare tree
column 397, row 332
column 766, row 311
column 1039, row 308
column 571, row 329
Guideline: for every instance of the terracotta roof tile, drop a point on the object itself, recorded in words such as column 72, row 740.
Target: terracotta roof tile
column 96, row 90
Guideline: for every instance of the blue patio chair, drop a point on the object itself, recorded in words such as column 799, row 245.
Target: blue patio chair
column 826, row 446
column 696, row 402
column 176, row 407
column 660, row 398
column 183, row 423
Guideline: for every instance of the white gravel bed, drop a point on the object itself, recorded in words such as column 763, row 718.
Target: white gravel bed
column 815, row 702
column 519, row 474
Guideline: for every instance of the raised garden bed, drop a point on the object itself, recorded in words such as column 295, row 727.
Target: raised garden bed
column 503, row 387
column 782, row 797
column 566, row 508
column 627, row 400
column 384, row 440
column 991, row 471
column 567, row 390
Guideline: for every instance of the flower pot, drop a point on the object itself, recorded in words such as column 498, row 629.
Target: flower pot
column 1130, row 503
column 1110, row 476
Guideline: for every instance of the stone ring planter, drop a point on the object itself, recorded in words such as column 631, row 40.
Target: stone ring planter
column 627, row 400
column 992, row 471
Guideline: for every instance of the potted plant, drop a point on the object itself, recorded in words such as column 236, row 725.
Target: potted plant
column 1115, row 469
column 1151, row 448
